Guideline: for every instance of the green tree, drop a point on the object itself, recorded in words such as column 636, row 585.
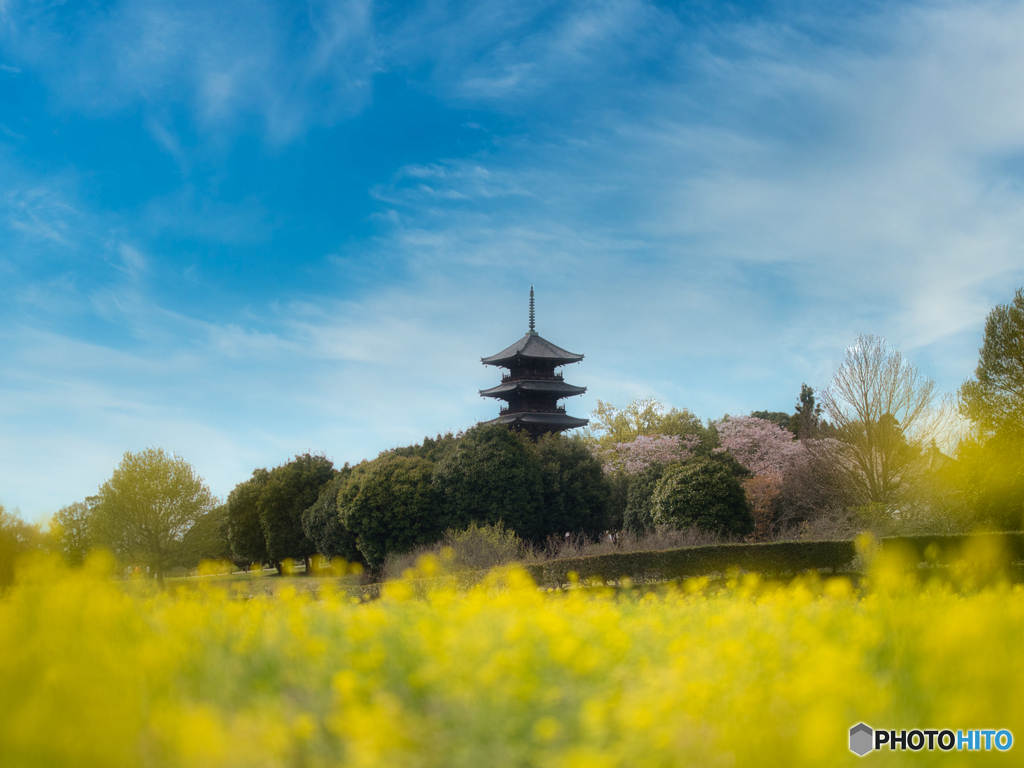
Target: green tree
column 391, row 506
column 609, row 425
column 433, row 449
column 17, row 539
column 322, row 521
column 575, row 490
column 491, row 476
column 807, row 419
column 994, row 399
column 245, row 531
column 71, row 529
column 704, row 494
column 727, row 461
column 290, row 490
column 991, row 461
column 638, row 517
column 618, row 498
column 208, row 539
column 148, row 505
column 989, row 474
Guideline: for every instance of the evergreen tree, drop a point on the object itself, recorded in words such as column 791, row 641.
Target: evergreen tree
column 289, row 491
column 991, row 462
column 807, row 419
column 245, row 531
column 323, row 524
column 704, row 494
column 391, row 506
column 575, row 490
column 490, row 477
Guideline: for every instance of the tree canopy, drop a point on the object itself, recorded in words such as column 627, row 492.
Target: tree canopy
column 575, row 491
column 391, row 506
column 322, row 522
column 762, row 446
column 207, row 540
column 289, row 491
column 491, row 476
column 991, row 462
column 994, row 398
column 145, row 509
column 609, row 425
column 71, row 530
column 17, row 538
column 806, row 422
column 775, row 417
column 638, row 517
column 703, row 493
column 432, row 448
column 245, row 531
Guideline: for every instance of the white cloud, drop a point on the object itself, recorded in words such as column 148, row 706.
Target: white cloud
column 134, row 261
column 292, row 69
column 347, row 379
column 40, row 213
column 198, row 213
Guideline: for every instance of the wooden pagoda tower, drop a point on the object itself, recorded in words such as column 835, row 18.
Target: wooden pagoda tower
column 532, row 388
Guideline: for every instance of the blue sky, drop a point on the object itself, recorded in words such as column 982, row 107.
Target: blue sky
column 244, row 230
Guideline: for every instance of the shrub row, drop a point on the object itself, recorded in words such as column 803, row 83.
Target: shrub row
column 777, row 558
column 774, row 559
column 784, row 557
column 945, row 549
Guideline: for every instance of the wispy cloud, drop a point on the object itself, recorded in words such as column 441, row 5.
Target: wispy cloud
column 451, row 181
column 872, row 181
column 290, row 67
column 194, row 213
column 40, row 214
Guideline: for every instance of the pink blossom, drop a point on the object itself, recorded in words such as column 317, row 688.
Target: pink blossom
column 635, row 456
column 761, row 446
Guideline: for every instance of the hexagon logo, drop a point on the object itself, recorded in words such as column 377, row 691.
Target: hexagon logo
column 861, row 738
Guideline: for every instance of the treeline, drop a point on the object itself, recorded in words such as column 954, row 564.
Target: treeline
column 879, row 448
column 410, row 496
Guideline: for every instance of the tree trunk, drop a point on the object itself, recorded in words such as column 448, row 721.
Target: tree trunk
column 160, row 576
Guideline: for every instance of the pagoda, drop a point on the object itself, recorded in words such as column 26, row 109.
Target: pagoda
column 531, row 388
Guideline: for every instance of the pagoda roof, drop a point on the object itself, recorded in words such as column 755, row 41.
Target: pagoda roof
column 533, row 347
column 559, row 420
column 559, row 388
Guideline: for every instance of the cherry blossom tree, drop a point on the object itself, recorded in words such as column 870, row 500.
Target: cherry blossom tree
column 761, row 446
column 636, row 455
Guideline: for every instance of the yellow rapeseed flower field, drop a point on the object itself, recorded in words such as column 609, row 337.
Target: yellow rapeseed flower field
column 748, row 673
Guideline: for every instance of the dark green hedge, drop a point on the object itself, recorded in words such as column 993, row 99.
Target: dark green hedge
column 784, row 557
column 775, row 558
column 953, row 547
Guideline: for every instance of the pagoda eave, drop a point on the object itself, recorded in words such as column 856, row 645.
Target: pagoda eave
column 556, row 388
column 532, row 347
column 557, row 421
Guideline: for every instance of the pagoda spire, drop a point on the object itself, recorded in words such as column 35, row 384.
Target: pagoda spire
column 531, row 389
column 532, row 331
